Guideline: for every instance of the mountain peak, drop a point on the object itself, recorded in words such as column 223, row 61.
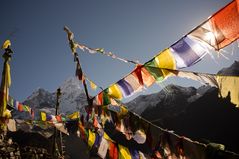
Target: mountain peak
column 231, row 70
column 38, row 92
column 40, row 98
column 71, row 84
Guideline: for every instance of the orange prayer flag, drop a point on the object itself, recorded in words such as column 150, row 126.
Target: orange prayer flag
column 226, row 22
column 221, row 29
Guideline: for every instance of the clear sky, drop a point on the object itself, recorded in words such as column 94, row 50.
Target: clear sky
column 136, row 29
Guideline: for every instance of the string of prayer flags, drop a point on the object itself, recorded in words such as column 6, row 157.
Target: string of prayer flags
column 130, row 84
column 227, row 85
column 103, row 52
column 74, row 45
column 218, row 31
column 70, row 37
column 203, row 78
column 221, row 29
column 20, row 107
column 163, row 143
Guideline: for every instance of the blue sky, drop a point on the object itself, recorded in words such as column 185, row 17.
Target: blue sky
column 136, row 30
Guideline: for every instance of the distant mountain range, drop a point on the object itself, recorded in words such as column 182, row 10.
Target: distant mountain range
column 196, row 113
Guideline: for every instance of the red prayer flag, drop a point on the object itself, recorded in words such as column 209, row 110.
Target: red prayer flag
column 113, row 150
column 137, row 73
column 58, row 118
column 20, row 107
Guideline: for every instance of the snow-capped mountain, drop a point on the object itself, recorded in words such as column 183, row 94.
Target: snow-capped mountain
column 72, row 98
column 171, row 97
column 41, row 98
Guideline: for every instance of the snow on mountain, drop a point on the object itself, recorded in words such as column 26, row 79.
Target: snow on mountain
column 73, row 97
column 41, row 98
column 172, row 96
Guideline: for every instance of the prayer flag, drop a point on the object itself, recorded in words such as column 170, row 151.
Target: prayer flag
column 124, row 152
column 102, row 151
column 20, row 107
column 93, row 85
column 147, row 77
column 113, row 150
column 187, row 52
column 6, row 44
column 153, row 69
column 228, row 85
column 133, row 81
column 74, row 115
column 43, row 116
column 221, row 29
column 126, row 88
column 91, row 138
column 115, row 92
column 165, row 60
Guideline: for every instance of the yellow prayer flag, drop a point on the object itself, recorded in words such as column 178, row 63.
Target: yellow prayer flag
column 165, row 60
column 91, row 139
column 43, row 116
column 8, row 75
column 6, row 44
column 228, row 85
column 93, row 85
column 4, row 90
column 107, row 137
column 74, row 115
column 124, row 152
column 115, row 92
